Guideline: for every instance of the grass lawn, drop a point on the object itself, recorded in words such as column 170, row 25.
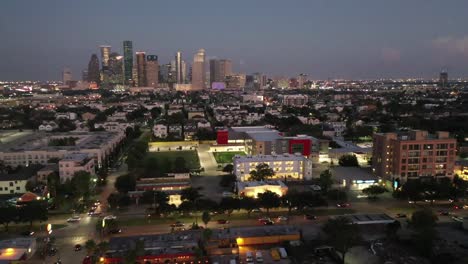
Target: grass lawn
column 226, row 157
column 191, row 157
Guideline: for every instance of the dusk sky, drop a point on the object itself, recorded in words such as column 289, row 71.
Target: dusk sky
column 324, row 39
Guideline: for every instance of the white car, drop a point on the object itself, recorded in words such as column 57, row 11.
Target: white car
column 315, row 187
column 110, row 217
column 73, row 219
column 228, row 194
column 282, row 218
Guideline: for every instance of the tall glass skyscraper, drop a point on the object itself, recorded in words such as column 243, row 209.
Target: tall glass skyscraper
column 105, row 54
column 178, row 67
column 128, row 61
column 94, row 74
column 141, row 68
column 198, row 70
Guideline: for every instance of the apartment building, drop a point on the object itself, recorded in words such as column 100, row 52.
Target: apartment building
column 73, row 163
column 285, row 166
column 412, row 155
column 36, row 148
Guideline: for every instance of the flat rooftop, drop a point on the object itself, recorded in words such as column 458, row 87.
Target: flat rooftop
column 39, row 141
column 247, row 184
column 276, row 157
column 255, row 231
column 369, row 219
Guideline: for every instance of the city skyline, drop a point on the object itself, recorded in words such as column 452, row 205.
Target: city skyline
column 322, row 40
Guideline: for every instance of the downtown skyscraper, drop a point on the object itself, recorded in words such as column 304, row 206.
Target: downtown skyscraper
column 128, row 61
column 94, row 74
column 219, row 69
column 178, row 67
column 198, row 70
column 141, row 68
column 152, row 71
column 105, row 54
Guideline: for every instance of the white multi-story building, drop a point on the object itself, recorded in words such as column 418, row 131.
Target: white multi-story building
column 114, row 126
column 36, row 148
column 160, row 131
column 285, row 166
column 295, row 99
column 73, row 163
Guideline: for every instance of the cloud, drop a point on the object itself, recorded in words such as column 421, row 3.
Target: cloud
column 390, row 55
column 452, row 45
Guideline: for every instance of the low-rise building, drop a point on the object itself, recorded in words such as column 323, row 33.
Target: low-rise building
column 17, row 250
column 160, row 131
column 73, row 163
column 16, row 182
column 285, row 166
column 253, row 188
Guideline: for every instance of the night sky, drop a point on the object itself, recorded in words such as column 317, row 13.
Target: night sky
column 324, row 39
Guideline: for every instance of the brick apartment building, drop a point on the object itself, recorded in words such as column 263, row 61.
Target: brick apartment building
column 412, row 155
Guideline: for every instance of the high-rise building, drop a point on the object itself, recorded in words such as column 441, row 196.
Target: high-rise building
column 235, row 81
column 198, row 70
column 66, row 75
column 413, row 155
column 152, row 70
column 128, row 61
column 141, row 68
column 165, row 72
column 84, row 75
column 94, row 74
column 178, row 67
column 134, row 80
column 105, row 55
column 301, row 80
column 219, row 69
column 443, row 79
column 184, row 72
column 115, row 69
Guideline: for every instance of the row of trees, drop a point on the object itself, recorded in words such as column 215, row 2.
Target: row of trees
column 26, row 213
column 445, row 188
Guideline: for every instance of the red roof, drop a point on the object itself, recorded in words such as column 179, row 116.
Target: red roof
column 28, row 197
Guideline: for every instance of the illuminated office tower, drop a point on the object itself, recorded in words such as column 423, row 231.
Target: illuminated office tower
column 152, row 71
column 141, row 68
column 178, row 67
column 128, row 61
column 105, row 55
column 219, row 69
column 198, row 70
column 94, row 74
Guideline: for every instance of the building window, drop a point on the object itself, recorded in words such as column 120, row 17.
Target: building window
column 11, row 183
column 18, row 188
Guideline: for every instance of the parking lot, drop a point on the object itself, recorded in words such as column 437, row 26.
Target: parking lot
column 265, row 254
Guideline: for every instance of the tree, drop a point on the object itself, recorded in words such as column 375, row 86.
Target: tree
column 190, row 194
column 348, row 161
column 125, row 183
column 325, row 180
column 158, row 199
column 102, row 247
column 337, row 195
column 7, row 215
column 228, row 168
column 229, row 204
column 113, row 200
column 293, row 199
column 90, row 246
column 186, row 206
column 53, row 184
column 342, row 234
column 248, row 203
column 151, row 168
column 269, row 200
column 33, row 211
column 262, row 172
column 206, row 218
column 227, row 180
column 180, row 165
column 81, row 185
column 205, row 204
column 30, row 186
column 391, row 229
column 423, row 223
column 374, row 190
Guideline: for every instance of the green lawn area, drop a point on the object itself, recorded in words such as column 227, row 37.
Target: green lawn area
column 191, row 157
column 226, row 157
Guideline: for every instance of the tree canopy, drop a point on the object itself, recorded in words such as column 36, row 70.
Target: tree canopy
column 262, row 172
column 342, row 234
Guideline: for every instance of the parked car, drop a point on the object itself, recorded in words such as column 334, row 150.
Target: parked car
column 282, row 218
column 310, row 217
column 27, row 233
column 177, row 224
column 444, row 212
column 259, row 256
column 249, row 257
column 400, row 215
column 110, row 217
column 264, row 219
column 223, row 221
column 268, row 222
column 115, row 231
column 74, row 219
column 228, row 194
column 78, row 247
column 343, row 205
